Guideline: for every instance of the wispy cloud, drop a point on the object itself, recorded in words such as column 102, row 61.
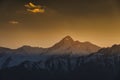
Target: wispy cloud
column 34, row 8
column 13, row 22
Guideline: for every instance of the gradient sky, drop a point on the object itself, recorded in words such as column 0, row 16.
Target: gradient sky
column 97, row 21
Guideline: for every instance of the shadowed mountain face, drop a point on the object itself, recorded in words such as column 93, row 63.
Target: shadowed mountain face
column 114, row 50
column 62, row 61
column 101, row 65
column 67, row 46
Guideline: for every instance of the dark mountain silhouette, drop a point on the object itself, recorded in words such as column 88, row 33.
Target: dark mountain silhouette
column 62, row 61
column 27, row 53
column 114, row 50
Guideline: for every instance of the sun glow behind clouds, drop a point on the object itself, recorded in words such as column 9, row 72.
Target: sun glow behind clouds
column 34, row 8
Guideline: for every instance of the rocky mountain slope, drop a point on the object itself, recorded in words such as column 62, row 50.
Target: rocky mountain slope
column 67, row 46
column 101, row 65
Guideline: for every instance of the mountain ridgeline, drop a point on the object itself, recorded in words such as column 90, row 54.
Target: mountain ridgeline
column 66, row 60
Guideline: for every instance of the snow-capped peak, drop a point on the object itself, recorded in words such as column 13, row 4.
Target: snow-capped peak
column 68, row 38
column 68, row 45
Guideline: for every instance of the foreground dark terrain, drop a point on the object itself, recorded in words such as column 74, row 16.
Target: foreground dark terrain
column 66, row 60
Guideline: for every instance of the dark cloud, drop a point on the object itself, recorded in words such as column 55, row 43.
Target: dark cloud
column 69, row 7
column 57, row 10
column 81, row 7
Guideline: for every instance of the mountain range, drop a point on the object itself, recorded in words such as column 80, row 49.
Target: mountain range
column 64, row 47
column 67, row 59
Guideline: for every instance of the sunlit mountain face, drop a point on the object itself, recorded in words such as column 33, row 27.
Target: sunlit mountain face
column 44, row 22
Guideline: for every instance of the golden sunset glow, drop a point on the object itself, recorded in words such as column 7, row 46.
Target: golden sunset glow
column 34, row 8
column 97, row 22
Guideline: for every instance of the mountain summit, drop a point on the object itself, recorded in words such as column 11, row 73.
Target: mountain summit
column 68, row 45
column 68, row 38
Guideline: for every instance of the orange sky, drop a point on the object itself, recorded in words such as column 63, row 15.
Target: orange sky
column 96, row 22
